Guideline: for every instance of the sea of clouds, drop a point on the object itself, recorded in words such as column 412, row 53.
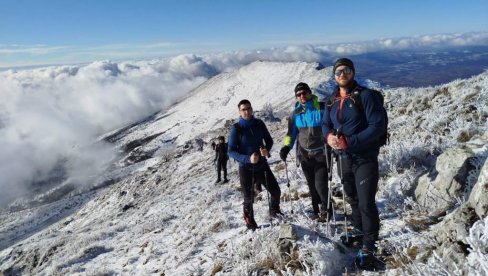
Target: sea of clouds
column 50, row 117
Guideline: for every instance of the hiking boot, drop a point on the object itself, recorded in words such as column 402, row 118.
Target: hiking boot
column 218, row 181
column 324, row 218
column 250, row 223
column 314, row 216
column 249, row 218
column 274, row 213
column 226, row 180
column 354, row 237
column 325, row 215
column 364, row 258
column 274, row 207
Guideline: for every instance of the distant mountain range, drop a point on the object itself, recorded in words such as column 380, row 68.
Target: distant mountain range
column 421, row 68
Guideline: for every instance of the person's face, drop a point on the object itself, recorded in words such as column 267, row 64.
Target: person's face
column 245, row 110
column 303, row 96
column 344, row 76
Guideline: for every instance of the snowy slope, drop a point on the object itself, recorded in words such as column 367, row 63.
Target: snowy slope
column 164, row 215
column 209, row 105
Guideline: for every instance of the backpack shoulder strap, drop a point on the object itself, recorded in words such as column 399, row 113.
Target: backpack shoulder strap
column 322, row 105
column 329, row 101
column 237, row 127
column 259, row 123
column 357, row 93
column 356, row 96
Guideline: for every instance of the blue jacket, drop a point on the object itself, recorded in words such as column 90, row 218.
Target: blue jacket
column 246, row 140
column 306, row 122
column 361, row 128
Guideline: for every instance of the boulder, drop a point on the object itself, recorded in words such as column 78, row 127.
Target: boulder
column 478, row 198
column 439, row 189
column 287, row 241
column 451, row 236
column 454, row 228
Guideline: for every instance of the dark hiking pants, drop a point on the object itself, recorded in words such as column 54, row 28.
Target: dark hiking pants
column 360, row 178
column 221, row 165
column 314, row 167
column 265, row 177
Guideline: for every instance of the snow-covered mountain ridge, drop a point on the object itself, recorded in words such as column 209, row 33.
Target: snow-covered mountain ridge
column 163, row 215
column 213, row 102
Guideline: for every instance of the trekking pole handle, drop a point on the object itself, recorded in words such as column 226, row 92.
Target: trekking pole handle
column 338, row 133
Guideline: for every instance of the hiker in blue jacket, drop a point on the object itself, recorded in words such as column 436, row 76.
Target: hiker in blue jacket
column 305, row 126
column 250, row 144
column 353, row 133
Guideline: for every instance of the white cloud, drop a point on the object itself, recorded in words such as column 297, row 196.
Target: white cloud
column 24, row 54
column 34, row 50
column 52, row 116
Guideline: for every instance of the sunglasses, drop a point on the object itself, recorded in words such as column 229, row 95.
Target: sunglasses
column 346, row 71
column 303, row 93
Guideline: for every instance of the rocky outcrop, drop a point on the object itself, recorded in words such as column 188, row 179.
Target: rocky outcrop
column 478, row 199
column 439, row 189
column 453, row 232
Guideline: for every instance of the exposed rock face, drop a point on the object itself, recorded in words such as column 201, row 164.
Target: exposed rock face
column 438, row 190
column 478, row 198
column 452, row 234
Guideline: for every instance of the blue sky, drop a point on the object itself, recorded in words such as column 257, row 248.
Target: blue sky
column 74, row 31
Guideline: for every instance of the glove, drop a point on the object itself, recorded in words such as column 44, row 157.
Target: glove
column 284, row 152
column 343, row 142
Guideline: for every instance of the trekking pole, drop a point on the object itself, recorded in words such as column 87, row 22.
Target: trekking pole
column 252, row 185
column 343, row 196
column 329, row 191
column 288, row 185
column 267, row 192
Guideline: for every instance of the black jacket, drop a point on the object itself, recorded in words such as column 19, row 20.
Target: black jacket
column 221, row 152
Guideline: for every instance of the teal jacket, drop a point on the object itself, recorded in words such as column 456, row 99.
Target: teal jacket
column 305, row 123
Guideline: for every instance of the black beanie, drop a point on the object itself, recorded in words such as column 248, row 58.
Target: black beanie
column 302, row 86
column 344, row 61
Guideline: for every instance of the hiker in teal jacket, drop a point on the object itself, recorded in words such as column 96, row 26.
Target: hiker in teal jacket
column 305, row 126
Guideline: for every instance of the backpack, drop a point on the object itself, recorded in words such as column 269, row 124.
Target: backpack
column 385, row 136
column 259, row 123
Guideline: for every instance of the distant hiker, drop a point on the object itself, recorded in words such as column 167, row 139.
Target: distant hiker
column 306, row 122
column 213, row 145
column 199, row 143
column 353, row 132
column 221, row 158
column 250, row 144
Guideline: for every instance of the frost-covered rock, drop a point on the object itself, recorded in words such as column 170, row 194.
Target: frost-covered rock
column 454, row 234
column 451, row 235
column 438, row 189
column 478, row 199
column 478, row 241
column 455, row 226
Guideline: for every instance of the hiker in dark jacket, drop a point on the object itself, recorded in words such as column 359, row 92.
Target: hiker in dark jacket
column 305, row 125
column 221, row 158
column 249, row 144
column 354, row 135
